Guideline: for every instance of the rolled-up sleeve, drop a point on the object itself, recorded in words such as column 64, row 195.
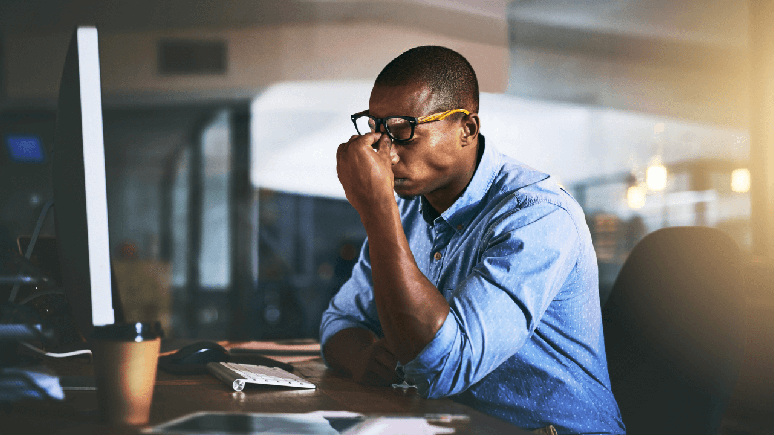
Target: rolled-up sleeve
column 353, row 306
column 525, row 258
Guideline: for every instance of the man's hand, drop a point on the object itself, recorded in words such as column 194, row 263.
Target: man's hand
column 376, row 366
column 364, row 166
column 361, row 355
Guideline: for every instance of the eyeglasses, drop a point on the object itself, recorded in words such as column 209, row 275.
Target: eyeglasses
column 399, row 128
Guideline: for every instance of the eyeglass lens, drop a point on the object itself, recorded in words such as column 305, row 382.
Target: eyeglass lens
column 399, row 129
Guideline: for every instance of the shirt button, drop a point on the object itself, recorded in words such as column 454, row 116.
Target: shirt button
column 437, row 256
column 459, row 227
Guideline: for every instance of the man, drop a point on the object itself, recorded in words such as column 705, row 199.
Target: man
column 479, row 280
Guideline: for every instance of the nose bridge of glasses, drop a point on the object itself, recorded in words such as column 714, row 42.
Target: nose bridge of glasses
column 381, row 125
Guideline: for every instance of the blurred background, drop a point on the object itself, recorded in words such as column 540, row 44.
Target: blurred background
column 221, row 120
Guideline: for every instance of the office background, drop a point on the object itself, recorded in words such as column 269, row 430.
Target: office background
column 221, row 121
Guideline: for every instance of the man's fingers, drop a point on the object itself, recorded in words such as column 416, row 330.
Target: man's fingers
column 377, row 367
column 383, row 143
column 383, row 361
column 339, row 151
column 383, row 353
column 386, row 359
column 386, row 364
column 368, row 139
column 352, row 139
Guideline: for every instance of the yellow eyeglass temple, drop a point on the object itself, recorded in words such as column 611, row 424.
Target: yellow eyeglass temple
column 440, row 116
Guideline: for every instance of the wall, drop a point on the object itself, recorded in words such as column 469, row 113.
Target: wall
column 717, row 95
column 257, row 57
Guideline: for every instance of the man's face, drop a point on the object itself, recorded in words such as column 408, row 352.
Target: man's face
column 432, row 163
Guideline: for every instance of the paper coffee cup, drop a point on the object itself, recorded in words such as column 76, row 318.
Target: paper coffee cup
column 125, row 361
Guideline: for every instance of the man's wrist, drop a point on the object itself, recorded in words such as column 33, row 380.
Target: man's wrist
column 379, row 214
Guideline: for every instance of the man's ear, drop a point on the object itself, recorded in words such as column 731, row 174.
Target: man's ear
column 471, row 125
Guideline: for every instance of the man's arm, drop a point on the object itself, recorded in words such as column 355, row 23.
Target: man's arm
column 411, row 309
column 497, row 307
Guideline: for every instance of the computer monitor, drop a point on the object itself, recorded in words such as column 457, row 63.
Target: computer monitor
column 80, row 194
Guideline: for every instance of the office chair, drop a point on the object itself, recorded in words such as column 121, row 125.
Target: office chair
column 675, row 331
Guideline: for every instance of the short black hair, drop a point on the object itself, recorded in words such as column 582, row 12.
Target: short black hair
column 447, row 73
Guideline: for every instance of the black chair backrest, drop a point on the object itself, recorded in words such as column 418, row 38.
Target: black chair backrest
column 675, row 331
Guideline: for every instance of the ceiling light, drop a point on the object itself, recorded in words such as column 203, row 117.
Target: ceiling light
column 635, row 197
column 740, row 180
column 656, row 177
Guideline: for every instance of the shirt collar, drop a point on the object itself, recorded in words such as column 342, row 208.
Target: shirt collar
column 467, row 206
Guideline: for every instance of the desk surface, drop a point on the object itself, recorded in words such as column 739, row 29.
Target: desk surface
column 178, row 395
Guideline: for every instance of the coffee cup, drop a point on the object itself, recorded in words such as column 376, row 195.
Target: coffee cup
column 125, row 360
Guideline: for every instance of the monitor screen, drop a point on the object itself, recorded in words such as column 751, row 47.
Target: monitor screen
column 80, row 194
column 24, row 148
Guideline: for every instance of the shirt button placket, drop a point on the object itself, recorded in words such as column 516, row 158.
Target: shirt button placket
column 437, row 266
column 437, row 247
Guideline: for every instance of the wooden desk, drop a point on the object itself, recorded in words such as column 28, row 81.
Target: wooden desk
column 178, row 395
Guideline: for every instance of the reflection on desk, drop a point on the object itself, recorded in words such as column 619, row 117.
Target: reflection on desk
column 176, row 396
column 312, row 423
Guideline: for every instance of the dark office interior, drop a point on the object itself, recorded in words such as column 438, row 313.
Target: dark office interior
column 653, row 114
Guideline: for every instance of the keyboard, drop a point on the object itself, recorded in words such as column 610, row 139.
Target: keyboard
column 238, row 375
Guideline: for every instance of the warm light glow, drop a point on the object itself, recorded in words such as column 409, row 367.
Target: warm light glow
column 635, row 197
column 740, row 180
column 656, row 177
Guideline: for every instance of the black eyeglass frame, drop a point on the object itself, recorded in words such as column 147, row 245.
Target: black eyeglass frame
column 413, row 122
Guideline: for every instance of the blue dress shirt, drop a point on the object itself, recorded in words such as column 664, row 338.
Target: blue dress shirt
column 523, row 339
